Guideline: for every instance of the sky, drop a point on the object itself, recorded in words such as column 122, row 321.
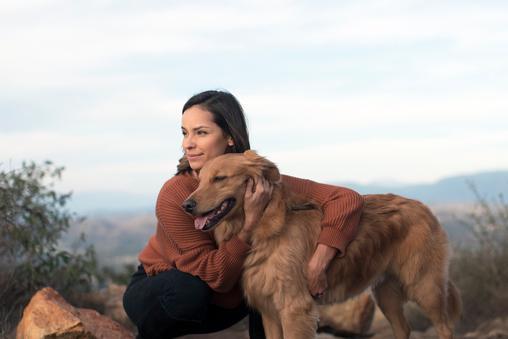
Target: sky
column 335, row 91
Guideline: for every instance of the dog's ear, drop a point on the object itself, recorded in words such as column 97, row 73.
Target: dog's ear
column 269, row 169
column 251, row 155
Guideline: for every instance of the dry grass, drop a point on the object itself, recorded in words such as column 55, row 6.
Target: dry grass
column 479, row 268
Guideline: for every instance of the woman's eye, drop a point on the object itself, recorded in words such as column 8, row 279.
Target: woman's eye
column 219, row 178
column 201, row 133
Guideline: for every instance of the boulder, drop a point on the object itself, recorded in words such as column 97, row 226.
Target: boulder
column 352, row 316
column 48, row 315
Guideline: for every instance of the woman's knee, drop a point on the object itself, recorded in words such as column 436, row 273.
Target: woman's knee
column 136, row 297
column 185, row 297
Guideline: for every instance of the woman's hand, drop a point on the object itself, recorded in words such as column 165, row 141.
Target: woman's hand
column 255, row 200
column 316, row 269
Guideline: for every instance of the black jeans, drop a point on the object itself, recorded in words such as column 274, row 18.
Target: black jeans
column 175, row 303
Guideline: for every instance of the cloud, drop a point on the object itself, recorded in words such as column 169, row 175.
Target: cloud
column 97, row 161
column 98, row 85
column 371, row 112
column 364, row 161
column 58, row 43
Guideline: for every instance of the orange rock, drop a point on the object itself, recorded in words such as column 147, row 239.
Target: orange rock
column 48, row 315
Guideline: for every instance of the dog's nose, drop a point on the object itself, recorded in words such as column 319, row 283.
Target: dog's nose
column 189, row 205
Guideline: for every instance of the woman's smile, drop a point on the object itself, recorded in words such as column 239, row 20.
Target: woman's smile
column 203, row 139
column 192, row 157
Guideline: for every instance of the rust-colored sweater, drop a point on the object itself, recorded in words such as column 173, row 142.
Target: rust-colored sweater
column 176, row 243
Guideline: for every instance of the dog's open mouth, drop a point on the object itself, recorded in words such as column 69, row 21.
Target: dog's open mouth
column 209, row 219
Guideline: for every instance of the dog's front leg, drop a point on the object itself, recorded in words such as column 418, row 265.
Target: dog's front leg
column 272, row 326
column 299, row 323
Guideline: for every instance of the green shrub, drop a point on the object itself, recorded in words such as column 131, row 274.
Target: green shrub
column 33, row 218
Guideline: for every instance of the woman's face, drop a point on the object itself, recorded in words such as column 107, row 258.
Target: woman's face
column 203, row 139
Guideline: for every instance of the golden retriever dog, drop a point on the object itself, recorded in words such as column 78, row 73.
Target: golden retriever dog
column 400, row 252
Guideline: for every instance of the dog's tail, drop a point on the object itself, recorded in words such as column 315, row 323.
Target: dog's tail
column 454, row 302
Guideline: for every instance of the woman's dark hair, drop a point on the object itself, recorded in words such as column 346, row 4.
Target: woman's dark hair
column 227, row 114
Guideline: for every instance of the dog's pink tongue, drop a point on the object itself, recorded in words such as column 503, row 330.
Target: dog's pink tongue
column 200, row 222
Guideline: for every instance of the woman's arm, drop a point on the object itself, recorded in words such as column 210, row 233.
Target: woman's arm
column 341, row 208
column 194, row 251
column 191, row 250
column 341, row 214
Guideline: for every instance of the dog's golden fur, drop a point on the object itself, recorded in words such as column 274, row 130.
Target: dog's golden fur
column 401, row 252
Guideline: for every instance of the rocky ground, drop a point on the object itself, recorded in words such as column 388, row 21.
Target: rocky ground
column 380, row 329
column 494, row 329
column 49, row 315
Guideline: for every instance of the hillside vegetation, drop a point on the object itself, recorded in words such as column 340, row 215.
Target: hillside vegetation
column 479, row 268
column 34, row 219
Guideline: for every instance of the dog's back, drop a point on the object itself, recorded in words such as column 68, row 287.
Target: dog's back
column 397, row 237
column 400, row 250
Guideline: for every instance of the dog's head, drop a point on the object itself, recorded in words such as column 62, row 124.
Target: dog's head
column 222, row 184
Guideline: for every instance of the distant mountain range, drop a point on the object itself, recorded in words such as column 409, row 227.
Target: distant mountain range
column 451, row 190
column 107, row 201
column 119, row 224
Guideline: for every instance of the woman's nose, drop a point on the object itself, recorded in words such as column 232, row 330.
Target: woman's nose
column 188, row 142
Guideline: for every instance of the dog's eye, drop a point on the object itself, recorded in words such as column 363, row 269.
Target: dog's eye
column 219, row 178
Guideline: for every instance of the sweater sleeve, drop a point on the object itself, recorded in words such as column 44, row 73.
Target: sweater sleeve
column 197, row 252
column 342, row 208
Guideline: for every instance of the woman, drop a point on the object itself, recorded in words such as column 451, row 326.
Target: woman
column 185, row 283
